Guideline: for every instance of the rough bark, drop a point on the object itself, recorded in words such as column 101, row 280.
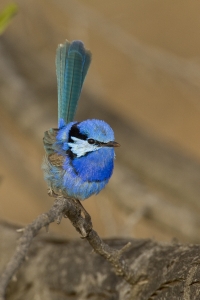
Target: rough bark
column 62, row 269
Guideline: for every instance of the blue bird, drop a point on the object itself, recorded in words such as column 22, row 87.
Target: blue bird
column 79, row 156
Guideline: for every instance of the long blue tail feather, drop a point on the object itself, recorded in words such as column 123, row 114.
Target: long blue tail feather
column 61, row 55
column 72, row 63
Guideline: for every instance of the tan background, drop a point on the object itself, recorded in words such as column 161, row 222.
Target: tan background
column 145, row 69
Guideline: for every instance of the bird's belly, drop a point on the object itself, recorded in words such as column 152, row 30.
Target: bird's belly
column 88, row 175
column 75, row 185
column 79, row 189
column 80, row 178
column 69, row 183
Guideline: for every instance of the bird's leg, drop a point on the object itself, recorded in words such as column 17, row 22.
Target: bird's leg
column 51, row 193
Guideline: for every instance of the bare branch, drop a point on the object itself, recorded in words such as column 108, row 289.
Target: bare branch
column 24, row 242
column 81, row 220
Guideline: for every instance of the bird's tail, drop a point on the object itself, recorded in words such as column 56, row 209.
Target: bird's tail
column 72, row 63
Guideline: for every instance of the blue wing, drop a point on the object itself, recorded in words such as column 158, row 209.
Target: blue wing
column 72, row 63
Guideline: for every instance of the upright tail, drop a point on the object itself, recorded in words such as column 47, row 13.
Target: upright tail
column 72, row 63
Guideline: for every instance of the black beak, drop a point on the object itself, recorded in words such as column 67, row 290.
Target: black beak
column 112, row 144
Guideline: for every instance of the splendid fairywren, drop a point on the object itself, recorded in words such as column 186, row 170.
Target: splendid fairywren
column 79, row 156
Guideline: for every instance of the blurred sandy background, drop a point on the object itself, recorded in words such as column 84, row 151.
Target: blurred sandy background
column 144, row 80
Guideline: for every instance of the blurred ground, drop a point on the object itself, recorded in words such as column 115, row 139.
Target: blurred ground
column 144, row 79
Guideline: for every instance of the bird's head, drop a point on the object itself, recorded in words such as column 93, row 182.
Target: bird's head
column 89, row 136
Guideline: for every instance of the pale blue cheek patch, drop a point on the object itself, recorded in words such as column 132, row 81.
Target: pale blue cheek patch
column 81, row 147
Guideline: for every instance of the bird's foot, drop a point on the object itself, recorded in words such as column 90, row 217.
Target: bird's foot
column 51, row 193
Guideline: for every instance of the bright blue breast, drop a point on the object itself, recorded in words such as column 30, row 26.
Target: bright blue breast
column 95, row 166
column 89, row 174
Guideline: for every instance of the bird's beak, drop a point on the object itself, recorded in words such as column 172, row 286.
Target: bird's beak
column 112, row 144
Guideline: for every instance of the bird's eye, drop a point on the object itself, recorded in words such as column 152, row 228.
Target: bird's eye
column 91, row 141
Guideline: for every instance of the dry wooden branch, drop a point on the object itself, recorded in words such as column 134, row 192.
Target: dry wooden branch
column 81, row 221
